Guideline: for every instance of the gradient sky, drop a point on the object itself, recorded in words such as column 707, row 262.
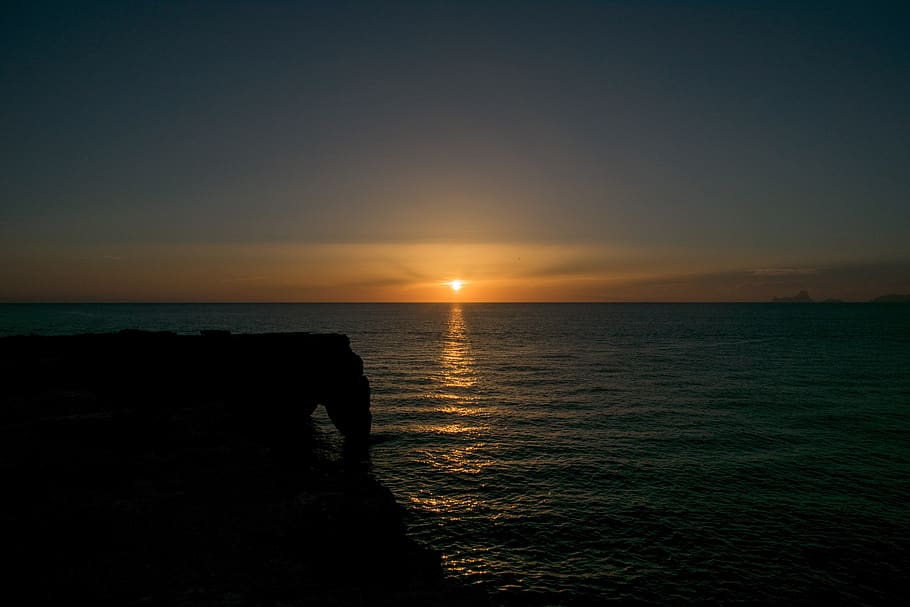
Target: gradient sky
column 371, row 151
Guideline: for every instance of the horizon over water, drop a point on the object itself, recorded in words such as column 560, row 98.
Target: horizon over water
column 662, row 453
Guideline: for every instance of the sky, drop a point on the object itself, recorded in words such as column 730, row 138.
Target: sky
column 376, row 151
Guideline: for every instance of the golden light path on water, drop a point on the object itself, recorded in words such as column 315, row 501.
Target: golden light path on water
column 454, row 394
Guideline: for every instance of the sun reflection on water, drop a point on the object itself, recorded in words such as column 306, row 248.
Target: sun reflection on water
column 462, row 417
column 456, row 360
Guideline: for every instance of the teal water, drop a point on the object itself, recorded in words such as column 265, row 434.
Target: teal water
column 660, row 453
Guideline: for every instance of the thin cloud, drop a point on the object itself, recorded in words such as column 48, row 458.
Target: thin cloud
column 784, row 271
column 247, row 279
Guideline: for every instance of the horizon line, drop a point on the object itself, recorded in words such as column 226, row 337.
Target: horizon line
column 548, row 302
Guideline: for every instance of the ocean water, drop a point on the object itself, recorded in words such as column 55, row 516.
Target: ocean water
column 661, row 453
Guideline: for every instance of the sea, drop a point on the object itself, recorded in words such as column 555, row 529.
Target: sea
column 574, row 454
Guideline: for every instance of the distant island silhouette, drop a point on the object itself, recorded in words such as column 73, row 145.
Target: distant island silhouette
column 892, row 298
column 804, row 297
column 801, row 297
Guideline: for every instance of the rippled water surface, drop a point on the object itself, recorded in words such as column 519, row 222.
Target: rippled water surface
column 572, row 453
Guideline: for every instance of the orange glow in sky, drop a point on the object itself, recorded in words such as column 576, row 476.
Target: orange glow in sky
column 407, row 272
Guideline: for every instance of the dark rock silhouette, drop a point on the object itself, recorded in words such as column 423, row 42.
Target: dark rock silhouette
column 801, row 297
column 154, row 468
column 274, row 381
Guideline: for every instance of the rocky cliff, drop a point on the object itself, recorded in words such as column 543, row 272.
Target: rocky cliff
column 273, row 381
column 154, row 468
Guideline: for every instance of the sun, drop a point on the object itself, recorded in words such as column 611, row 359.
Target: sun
column 456, row 285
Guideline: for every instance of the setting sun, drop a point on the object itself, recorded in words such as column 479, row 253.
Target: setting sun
column 456, row 285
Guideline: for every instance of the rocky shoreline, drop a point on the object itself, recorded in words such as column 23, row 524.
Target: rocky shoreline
column 184, row 470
